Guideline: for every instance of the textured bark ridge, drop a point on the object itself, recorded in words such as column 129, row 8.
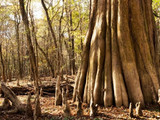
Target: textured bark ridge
column 119, row 54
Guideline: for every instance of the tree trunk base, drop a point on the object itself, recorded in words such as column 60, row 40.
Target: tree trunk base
column 58, row 95
column 29, row 111
column 119, row 55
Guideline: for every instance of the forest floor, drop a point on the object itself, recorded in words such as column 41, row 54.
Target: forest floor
column 52, row 112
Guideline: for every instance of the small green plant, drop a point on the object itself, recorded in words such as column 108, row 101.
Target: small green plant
column 69, row 118
column 98, row 119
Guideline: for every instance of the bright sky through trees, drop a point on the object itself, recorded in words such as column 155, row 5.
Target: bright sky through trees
column 36, row 6
column 37, row 10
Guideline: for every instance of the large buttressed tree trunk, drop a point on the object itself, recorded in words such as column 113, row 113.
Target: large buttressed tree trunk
column 119, row 54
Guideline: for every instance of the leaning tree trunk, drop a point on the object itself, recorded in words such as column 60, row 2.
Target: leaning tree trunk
column 9, row 94
column 119, row 54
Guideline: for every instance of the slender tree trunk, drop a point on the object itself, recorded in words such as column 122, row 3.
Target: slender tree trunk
column 71, row 39
column 72, row 43
column 34, row 70
column 22, row 53
column 29, row 44
column 18, row 47
column 3, row 66
column 70, row 46
column 60, row 41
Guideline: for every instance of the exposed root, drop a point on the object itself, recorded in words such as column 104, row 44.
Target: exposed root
column 130, row 110
column 37, row 110
column 67, row 91
column 93, row 108
column 41, row 92
column 66, row 109
column 79, row 105
column 29, row 111
column 138, row 109
column 58, row 95
column 65, row 104
column 63, row 97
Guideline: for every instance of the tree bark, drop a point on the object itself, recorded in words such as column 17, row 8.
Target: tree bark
column 118, row 61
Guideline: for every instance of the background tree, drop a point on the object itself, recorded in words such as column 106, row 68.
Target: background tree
column 2, row 63
column 29, row 44
column 53, row 35
column 156, row 12
column 10, row 19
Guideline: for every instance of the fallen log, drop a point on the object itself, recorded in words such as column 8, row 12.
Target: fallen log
column 48, row 90
column 20, row 90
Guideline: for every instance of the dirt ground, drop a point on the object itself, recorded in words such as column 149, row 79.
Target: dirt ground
column 52, row 112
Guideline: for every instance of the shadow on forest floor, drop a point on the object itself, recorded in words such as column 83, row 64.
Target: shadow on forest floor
column 111, row 113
